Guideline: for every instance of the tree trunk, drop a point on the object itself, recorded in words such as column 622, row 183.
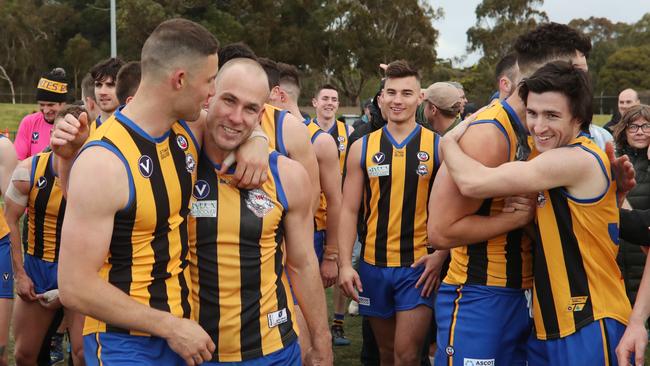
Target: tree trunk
column 11, row 84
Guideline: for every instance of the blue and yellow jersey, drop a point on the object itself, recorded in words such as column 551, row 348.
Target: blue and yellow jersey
column 272, row 122
column 506, row 260
column 149, row 253
column 577, row 280
column 240, row 293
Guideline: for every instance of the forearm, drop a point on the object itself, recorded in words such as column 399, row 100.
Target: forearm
column 641, row 310
column 333, row 216
column 89, row 294
column 16, row 249
column 472, row 229
column 310, row 295
column 347, row 235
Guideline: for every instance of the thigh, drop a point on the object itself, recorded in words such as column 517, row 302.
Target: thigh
column 383, row 331
column 30, row 324
column 376, row 300
column 411, row 327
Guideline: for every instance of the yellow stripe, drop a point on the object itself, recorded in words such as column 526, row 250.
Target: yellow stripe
column 99, row 349
column 454, row 319
column 603, row 333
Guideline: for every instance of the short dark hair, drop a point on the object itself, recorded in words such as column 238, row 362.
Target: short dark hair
column 549, row 42
column 401, row 69
column 506, row 66
column 106, row 69
column 325, row 86
column 272, row 71
column 72, row 109
column 88, row 87
column 127, row 81
column 562, row 77
column 289, row 74
column 176, row 38
column 235, row 50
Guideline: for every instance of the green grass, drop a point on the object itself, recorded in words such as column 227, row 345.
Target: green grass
column 346, row 355
column 12, row 114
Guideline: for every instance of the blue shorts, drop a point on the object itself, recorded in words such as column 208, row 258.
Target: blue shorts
column 288, row 356
column 319, row 244
column 6, row 269
column 42, row 273
column 390, row 289
column 593, row 344
column 482, row 325
column 124, row 349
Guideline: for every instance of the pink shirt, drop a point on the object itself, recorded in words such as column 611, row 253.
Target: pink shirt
column 33, row 135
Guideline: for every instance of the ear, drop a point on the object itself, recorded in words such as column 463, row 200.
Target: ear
column 314, row 101
column 129, row 99
column 505, row 84
column 178, row 79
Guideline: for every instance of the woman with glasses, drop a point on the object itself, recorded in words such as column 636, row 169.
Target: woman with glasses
column 632, row 137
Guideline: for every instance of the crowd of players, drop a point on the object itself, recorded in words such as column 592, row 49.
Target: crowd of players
column 189, row 213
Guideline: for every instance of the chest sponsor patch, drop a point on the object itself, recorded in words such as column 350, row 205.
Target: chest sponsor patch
column 277, row 317
column 259, row 203
column 379, row 170
column 204, row 208
column 478, row 362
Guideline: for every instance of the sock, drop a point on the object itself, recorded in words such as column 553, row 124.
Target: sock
column 338, row 319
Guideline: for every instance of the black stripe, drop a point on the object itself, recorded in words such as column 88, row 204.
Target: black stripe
column 250, row 232
column 364, row 210
column 576, row 273
column 514, row 263
column 544, row 290
column 477, row 256
column 160, row 242
column 409, row 198
column 186, row 186
column 287, row 333
column 383, row 206
column 59, row 225
column 121, row 250
column 40, row 207
column 335, row 135
column 278, row 131
column 207, row 259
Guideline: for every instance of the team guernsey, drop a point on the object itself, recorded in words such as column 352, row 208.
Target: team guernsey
column 272, row 122
column 46, row 207
column 241, row 292
column 339, row 131
column 149, row 252
column 320, row 218
column 506, row 260
column 577, row 280
column 397, row 181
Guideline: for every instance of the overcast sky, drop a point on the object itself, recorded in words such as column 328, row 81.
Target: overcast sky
column 459, row 16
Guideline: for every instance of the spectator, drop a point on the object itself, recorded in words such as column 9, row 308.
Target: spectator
column 365, row 114
column 632, row 139
column 33, row 134
column 626, row 99
column 442, row 103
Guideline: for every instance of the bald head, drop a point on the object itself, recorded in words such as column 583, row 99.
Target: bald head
column 626, row 99
column 241, row 66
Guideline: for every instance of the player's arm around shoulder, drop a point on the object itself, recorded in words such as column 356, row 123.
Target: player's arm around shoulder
column 302, row 264
column 300, row 149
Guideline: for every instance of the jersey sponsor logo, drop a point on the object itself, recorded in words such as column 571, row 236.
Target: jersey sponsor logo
column 422, row 170
column 145, row 166
column 577, row 303
column 182, row 142
column 201, row 189
column 204, row 208
column 259, row 203
column 365, row 301
column 379, row 170
column 190, row 163
column 378, row 158
column 423, row 156
column 541, row 199
column 41, row 183
column 277, row 317
column 478, row 362
column 35, row 136
column 449, row 350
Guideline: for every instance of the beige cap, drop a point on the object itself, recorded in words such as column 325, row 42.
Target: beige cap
column 444, row 96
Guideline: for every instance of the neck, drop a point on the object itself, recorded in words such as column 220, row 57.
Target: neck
column 216, row 154
column 150, row 112
column 401, row 130
column 104, row 116
column 325, row 124
column 518, row 106
column 293, row 109
column 440, row 125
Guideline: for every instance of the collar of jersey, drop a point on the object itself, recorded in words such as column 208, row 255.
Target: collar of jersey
column 514, row 115
column 127, row 121
column 405, row 141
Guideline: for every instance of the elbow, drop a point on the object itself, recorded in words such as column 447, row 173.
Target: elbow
column 469, row 189
column 69, row 291
column 438, row 239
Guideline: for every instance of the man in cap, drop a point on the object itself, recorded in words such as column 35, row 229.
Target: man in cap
column 441, row 106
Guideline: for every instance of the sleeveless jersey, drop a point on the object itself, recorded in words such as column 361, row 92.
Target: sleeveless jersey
column 94, row 125
column 272, row 121
column 240, row 292
column 397, row 183
column 320, row 218
column 46, row 207
column 339, row 132
column 148, row 252
column 506, row 260
column 577, row 280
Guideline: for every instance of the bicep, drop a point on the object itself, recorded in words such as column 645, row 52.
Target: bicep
column 328, row 165
column 298, row 223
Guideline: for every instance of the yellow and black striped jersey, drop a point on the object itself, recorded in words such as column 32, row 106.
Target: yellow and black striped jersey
column 506, row 260
column 320, row 218
column 272, row 122
column 397, row 181
column 46, row 207
column 241, row 294
column 148, row 252
column 577, row 280
column 339, row 131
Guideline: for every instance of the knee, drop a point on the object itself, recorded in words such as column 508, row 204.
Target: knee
column 24, row 358
column 407, row 358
